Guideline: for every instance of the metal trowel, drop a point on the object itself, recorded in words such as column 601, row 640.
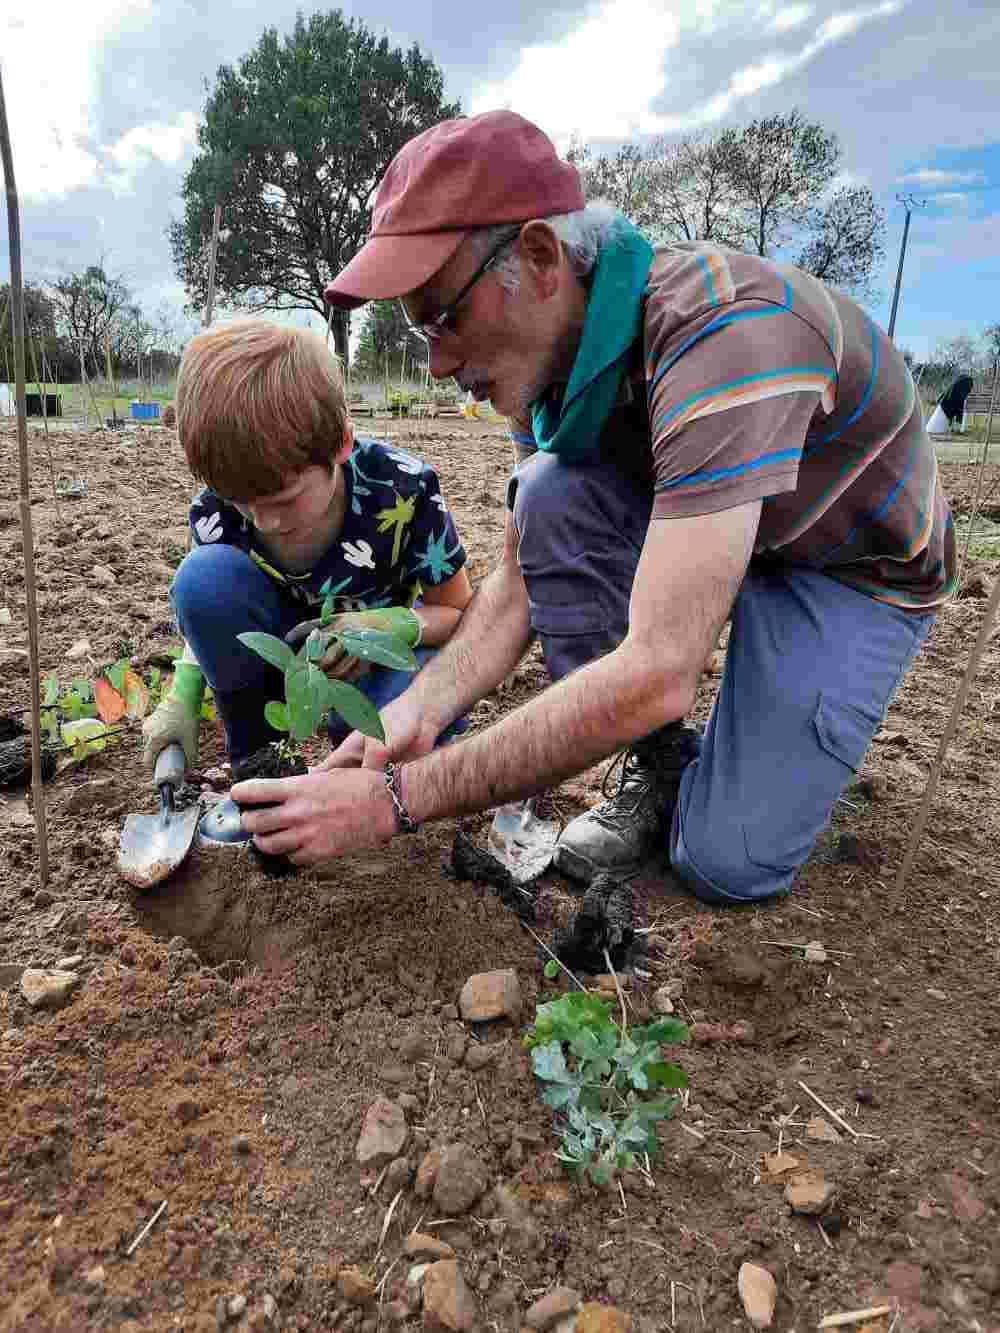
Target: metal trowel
column 152, row 846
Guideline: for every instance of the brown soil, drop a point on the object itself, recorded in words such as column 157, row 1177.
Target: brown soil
column 230, row 1030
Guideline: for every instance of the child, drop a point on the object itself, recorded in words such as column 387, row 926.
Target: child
column 295, row 509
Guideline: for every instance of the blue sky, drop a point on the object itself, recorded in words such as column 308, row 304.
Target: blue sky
column 104, row 127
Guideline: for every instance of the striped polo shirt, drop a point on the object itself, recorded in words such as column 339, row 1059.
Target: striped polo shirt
column 761, row 383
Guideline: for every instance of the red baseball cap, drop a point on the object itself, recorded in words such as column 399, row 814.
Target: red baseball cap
column 478, row 171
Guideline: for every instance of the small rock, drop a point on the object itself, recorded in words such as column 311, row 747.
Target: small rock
column 397, row 1175
column 242, row 1144
column 814, row 951
column 594, row 1318
column 103, row 576
column 491, row 995
column 356, row 1287
column 420, row 1246
column 43, row 898
column 461, row 1180
column 270, row 1307
column 448, row 1302
column 236, row 1306
column 449, row 1012
column 187, row 1109
column 966, row 1204
column 383, row 1134
column 217, row 777
column 70, row 963
column 79, row 649
column 94, row 1277
column 478, row 1055
column 47, row 989
column 809, row 1192
column 904, row 1280
column 10, row 974
column 427, row 1173
column 759, row 1294
column 552, row 1307
column 822, row 1130
column 663, row 1001
column 865, row 1097
column 781, row 1163
column 414, row 1046
column 936, row 994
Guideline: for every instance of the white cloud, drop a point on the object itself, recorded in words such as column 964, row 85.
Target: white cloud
column 599, row 79
column 602, row 79
column 772, row 70
column 792, row 16
column 49, row 70
column 930, row 178
column 145, row 143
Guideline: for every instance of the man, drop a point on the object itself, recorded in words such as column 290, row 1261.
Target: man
column 704, row 433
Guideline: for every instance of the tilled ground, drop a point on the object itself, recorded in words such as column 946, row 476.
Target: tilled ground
column 231, row 1030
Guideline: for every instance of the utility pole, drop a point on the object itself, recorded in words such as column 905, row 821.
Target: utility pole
column 212, row 253
column 909, row 203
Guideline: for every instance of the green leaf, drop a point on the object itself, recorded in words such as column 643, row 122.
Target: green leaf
column 326, row 610
column 116, row 674
column 551, row 969
column 670, row 1030
column 664, row 1075
column 568, row 1016
column 83, row 737
column 305, row 695
column 549, row 1063
column 355, row 708
column 559, row 1094
column 374, row 645
column 50, row 689
column 268, row 646
column 276, row 714
column 81, row 687
column 600, row 1173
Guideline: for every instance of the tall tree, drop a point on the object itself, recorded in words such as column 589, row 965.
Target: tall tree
column 88, row 306
column 383, row 340
column 293, row 144
column 768, row 187
column 844, row 239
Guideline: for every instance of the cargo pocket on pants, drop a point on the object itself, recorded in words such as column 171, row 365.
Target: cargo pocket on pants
column 781, row 841
column 571, row 635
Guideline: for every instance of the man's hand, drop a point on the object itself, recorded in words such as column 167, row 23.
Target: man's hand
column 409, row 735
column 320, row 816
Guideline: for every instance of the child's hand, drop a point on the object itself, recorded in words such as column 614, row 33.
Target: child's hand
column 337, row 663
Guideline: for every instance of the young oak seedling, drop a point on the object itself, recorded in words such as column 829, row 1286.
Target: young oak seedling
column 310, row 693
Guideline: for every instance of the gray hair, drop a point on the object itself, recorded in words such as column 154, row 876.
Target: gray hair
column 582, row 233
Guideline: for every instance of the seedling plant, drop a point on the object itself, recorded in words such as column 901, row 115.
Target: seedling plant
column 609, row 1082
column 309, row 691
column 83, row 718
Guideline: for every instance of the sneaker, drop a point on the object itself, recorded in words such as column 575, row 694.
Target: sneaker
column 628, row 827
column 220, row 829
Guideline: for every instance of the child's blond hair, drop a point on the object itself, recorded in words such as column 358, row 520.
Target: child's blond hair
column 256, row 404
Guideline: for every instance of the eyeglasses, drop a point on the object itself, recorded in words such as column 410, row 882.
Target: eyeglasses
column 444, row 322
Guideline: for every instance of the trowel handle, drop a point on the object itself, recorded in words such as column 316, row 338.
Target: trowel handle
column 170, row 766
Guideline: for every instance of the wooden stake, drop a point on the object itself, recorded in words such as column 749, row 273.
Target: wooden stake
column 43, row 392
column 212, row 253
column 17, row 300
column 930, row 791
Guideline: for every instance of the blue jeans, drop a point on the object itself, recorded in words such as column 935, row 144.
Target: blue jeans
column 811, row 668
column 219, row 592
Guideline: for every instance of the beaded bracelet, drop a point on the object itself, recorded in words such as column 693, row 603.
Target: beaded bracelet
column 391, row 772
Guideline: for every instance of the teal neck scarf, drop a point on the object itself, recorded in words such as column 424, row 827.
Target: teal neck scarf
column 571, row 428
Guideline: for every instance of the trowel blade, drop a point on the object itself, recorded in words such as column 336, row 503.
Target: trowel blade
column 522, row 842
column 151, row 847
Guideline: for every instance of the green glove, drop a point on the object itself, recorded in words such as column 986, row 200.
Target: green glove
column 176, row 717
column 397, row 620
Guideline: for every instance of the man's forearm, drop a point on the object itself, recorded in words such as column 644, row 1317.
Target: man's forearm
column 577, row 722
column 492, row 637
